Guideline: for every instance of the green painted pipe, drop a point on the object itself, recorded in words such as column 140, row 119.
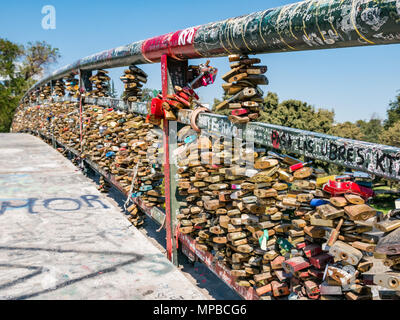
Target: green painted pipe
column 307, row 25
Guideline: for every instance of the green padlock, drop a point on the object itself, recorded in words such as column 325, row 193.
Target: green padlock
column 284, row 244
column 263, row 240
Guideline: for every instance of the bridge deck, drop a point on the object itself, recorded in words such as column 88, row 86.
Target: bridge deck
column 61, row 239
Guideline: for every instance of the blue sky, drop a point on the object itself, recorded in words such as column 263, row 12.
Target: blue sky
column 354, row 82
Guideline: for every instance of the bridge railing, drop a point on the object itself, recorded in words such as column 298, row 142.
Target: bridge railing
column 378, row 160
column 308, row 25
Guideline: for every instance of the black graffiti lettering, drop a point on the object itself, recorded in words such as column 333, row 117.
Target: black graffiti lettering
column 305, row 145
column 361, row 161
column 299, row 144
column 89, row 198
column 47, row 202
column 350, row 155
column 332, row 151
column 289, row 141
column 379, row 161
column 283, row 139
column 310, row 146
column 29, row 203
column 342, row 153
column 391, row 159
column 324, row 149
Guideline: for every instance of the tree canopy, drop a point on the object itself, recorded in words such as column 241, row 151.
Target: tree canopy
column 19, row 65
column 393, row 113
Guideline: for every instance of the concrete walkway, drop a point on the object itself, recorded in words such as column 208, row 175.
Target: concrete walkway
column 61, row 239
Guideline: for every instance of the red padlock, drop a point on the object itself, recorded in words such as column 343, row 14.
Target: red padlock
column 295, row 264
column 312, row 250
column 336, row 188
column 156, row 108
column 186, row 103
column 298, row 166
column 279, row 289
column 190, row 92
column 239, row 112
column 312, row 289
column 321, row 260
column 184, row 95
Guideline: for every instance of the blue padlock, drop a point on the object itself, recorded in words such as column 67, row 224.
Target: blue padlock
column 190, row 139
column 318, row 202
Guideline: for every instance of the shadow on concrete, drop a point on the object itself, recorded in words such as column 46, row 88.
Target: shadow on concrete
column 205, row 279
column 39, row 269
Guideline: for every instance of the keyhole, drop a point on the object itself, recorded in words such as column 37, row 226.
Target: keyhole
column 393, row 283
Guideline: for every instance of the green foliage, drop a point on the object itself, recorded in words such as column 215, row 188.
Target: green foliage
column 38, row 56
column 147, row 94
column 346, row 130
column 9, row 55
column 18, row 66
column 393, row 113
column 391, row 136
column 295, row 114
column 371, row 130
column 11, row 85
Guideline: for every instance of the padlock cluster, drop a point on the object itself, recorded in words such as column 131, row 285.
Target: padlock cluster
column 59, row 88
column 280, row 226
column 125, row 146
column 181, row 99
column 243, row 97
column 104, row 186
column 134, row 215
column 65, row 122
column 133, row 80
column 72, row 86
column 101, row 84
column 121, row 144
column 168, row 107
column 33, row 97
column 45, row 92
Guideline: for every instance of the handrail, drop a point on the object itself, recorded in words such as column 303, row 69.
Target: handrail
column 306, row 25
column 376, row 159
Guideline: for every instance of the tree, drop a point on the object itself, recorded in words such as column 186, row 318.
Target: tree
column 148, row 94
column 295, row 114
column 372, row 129
column 393, row 113
column 391, row 136
column 347, row 130
column 38, row 56
column 18, row 66
column 11, row 85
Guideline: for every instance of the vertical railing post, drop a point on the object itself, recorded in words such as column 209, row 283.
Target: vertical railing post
column 80, row 110
column 84, row 86
column 173, row 72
